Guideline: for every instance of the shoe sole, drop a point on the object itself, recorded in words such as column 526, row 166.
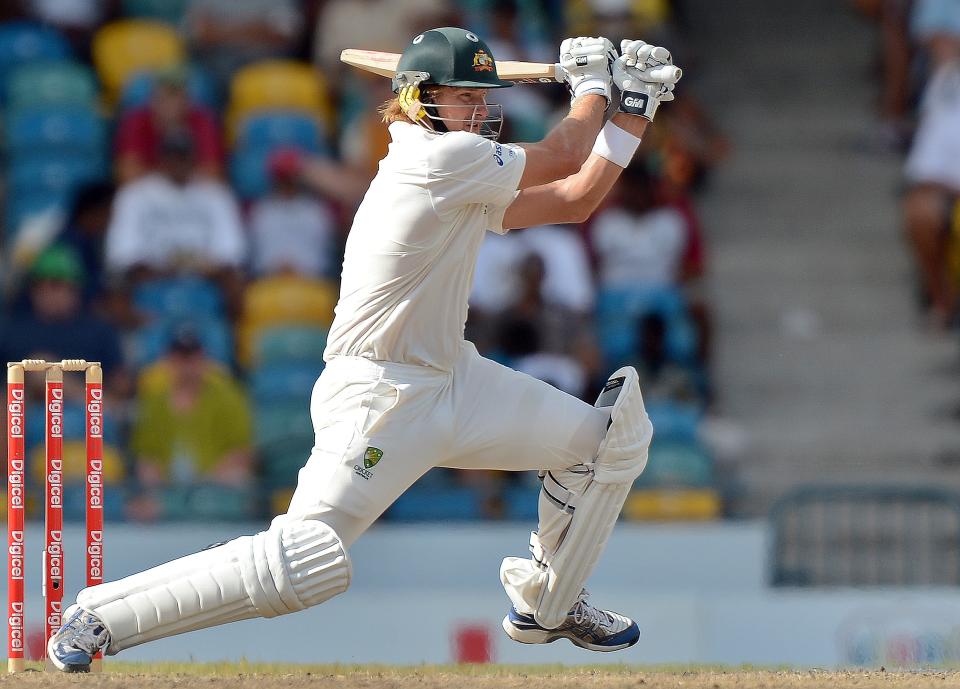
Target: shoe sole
column 541, row 636
column 63, row 667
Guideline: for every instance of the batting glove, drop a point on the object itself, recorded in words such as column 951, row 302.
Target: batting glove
column 585, row 64
column 646, row 76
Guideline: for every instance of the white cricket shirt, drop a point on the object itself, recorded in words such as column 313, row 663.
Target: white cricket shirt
column 410, row 256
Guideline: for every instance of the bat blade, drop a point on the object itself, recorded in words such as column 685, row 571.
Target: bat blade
column 385, row 64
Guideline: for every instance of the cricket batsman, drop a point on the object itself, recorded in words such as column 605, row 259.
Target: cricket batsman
column 402, row 391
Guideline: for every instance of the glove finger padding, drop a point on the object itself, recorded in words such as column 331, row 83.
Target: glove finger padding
column 585, row 64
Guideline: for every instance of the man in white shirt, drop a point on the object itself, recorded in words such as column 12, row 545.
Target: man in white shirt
column 403, row 391
column 172, row 220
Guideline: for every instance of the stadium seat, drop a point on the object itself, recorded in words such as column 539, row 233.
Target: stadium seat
column 249, row 174
column 281, row 460
column 170, row 11
column 276, row 421
column 673, row 504
column 45, row 83
column 127, row 46
column 674, row 421
column 677, row 465
column 283, row 300
column 303, row 343
column 453, row 503
column 138, row 88
column 520, row 503
column 179, row 298
column 55, row 174
column 208, row 502
column 60, row 128
column 618, row 315
column 283, row 382
column 26, row 42
column 152, row 341
column 268, row 130
column 75, row 463
column 277, row 85
column 24, row 206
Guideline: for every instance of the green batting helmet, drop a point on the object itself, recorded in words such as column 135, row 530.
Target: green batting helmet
column 448, row 56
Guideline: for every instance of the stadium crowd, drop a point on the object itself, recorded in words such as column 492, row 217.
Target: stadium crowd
column 179, row 178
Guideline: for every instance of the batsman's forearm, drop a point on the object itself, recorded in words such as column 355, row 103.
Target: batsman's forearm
column 575, row 134
column 631, row 123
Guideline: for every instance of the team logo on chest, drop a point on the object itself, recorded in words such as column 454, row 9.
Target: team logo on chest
column 371, row 456
column 482, row 62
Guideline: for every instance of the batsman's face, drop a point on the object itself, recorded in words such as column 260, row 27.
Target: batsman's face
column 465, row 109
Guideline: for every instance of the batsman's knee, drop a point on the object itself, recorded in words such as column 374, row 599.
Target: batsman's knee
column 622, row 455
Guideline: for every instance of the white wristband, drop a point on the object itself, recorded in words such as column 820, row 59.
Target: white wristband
column 616, row 145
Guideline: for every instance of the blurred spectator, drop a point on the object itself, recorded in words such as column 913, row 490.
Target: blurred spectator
column 534, row 325
column 639, row 243
column 55, row 325
column 894, row 56
column 226, row 35
column 933, row 165
column 142, row 130
column 193, row 425
column 86, row 231
column 289, row 229
column 347, row 24
column 661, row 378
column 172, row 220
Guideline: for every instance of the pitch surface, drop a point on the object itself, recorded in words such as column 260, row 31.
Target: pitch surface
column 250, row 676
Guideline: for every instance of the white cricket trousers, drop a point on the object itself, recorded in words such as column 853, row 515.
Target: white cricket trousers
column 406, row 419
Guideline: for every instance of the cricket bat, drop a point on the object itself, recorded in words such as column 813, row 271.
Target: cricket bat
column 385, row 64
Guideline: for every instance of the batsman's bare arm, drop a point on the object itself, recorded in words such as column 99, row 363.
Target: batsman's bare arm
column 563, row 151
column 573, row 198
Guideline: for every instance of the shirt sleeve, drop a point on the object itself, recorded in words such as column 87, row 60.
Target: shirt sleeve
column 467, row 169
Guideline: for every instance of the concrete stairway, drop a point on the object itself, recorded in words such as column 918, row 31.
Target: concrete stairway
column 819, row 353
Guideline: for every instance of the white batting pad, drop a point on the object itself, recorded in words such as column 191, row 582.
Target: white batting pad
column 291, row 566
column 620, row 460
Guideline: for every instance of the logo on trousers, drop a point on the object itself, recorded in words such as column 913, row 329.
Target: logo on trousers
column 371, row 456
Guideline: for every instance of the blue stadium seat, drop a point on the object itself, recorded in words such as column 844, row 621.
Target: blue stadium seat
column 180, row 297
column 618, row 315
column 267, row 130
column 448, row 504
column 520, row 502
column 675, row 421
column 286, row 381
column 26, row 204
column 290, row 343
column 44, row 83
column 677, row 465
column 152, row 341
column 23, row 42
column 276, row 422
column 54, row 174
column 62, row 128
column 200, row 87
column 282, row 459
column 248, row 172
column 170, row 11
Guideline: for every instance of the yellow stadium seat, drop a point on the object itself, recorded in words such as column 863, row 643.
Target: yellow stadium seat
column 283, row 300
column 673, row 504
column 75, row 463
column 125, row 47
column 277, row 85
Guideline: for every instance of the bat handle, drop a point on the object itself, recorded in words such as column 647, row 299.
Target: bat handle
column 557, row 72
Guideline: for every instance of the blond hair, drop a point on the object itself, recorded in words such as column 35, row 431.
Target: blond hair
column 391, row 112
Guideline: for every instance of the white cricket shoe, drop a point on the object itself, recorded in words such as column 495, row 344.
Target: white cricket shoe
column 585, row 626
column 72, row 648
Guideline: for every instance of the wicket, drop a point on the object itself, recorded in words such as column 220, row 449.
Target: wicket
column 53, row 561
